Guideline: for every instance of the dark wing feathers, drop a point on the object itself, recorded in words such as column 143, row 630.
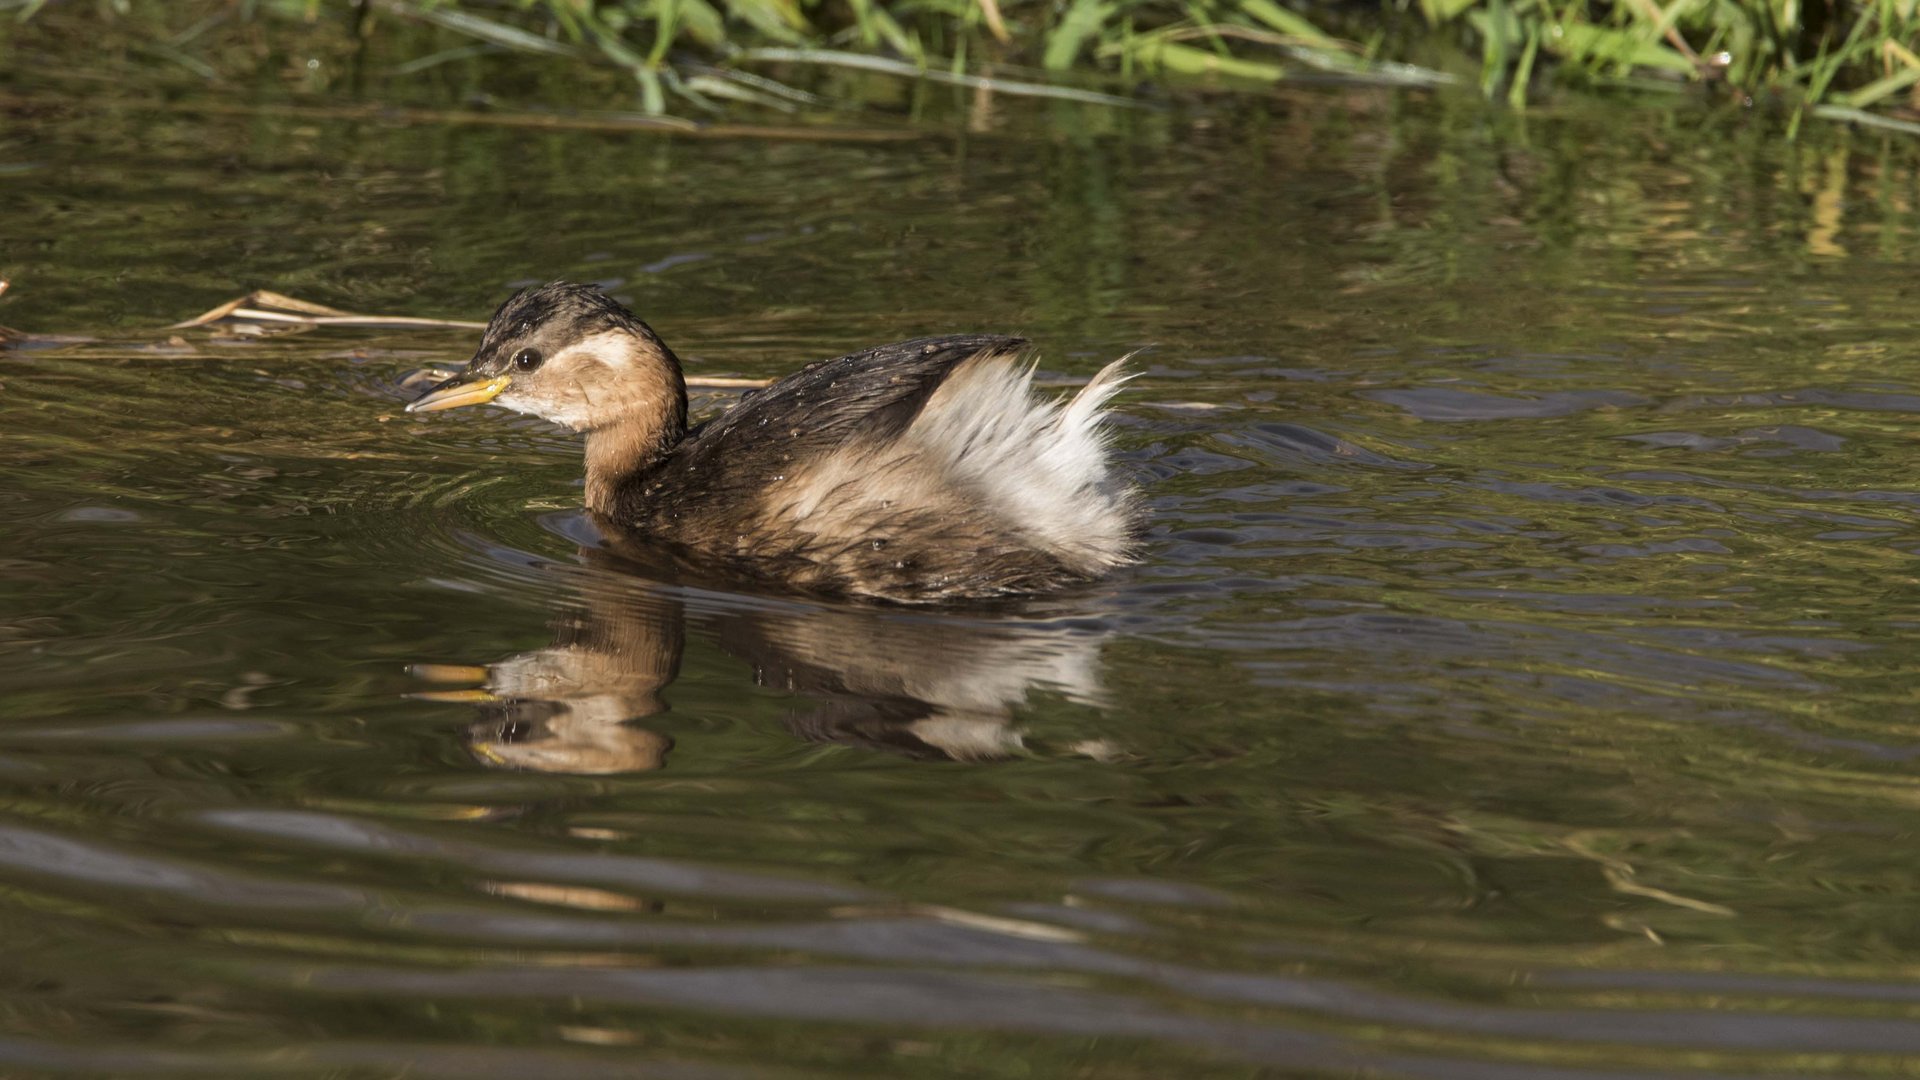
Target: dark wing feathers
column 728, row 461
column 874, row 393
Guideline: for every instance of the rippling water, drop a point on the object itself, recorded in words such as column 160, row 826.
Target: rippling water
column 1519, row 682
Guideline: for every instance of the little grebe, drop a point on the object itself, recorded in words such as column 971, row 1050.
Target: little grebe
column 921, row 471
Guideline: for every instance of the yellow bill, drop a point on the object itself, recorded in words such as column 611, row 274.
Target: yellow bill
column 454, row 393
column 475, row 696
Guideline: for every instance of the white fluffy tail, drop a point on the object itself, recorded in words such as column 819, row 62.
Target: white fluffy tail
column 1042, row 465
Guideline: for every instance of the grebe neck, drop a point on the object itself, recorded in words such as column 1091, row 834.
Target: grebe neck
column 621, row 449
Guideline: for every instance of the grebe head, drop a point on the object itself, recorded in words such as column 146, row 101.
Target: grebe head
column 569, row 354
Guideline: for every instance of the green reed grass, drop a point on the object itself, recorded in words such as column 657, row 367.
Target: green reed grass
column 1848, row 59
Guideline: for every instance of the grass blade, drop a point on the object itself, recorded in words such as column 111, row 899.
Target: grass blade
column 474, row 26
column 888, row 66
column 1083, row 20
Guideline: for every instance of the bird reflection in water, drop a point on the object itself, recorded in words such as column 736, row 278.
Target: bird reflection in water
column 926, row 685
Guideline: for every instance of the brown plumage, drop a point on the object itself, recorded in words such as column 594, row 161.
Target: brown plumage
column 919, row 471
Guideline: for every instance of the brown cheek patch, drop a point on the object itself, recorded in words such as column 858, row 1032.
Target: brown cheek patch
column 593, row 380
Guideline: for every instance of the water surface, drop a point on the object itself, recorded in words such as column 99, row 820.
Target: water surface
column 1517, row 683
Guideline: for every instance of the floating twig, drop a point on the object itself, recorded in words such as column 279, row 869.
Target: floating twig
column 265, row 306
column 258, row 306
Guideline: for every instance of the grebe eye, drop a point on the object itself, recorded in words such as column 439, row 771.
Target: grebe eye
column 527, row 359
